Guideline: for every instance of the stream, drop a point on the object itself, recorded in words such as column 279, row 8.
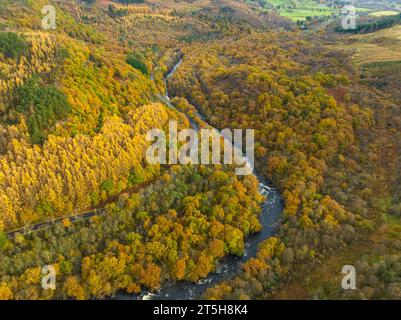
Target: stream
column 230, row 265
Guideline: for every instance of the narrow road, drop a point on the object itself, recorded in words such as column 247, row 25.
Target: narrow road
column 47, row 224
column 87, row 214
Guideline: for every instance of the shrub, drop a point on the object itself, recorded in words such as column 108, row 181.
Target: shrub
column 12, row 45
column 136, row 61
column 3, row 239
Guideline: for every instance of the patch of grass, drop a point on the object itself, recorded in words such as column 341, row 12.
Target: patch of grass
column 384, row 13
column 392, row 220
column 3, row 239
column 380, row 46
column 301, row 9
column 304, row 13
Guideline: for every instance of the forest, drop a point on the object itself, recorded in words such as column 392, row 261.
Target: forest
column 372, row 25
column 77, row 102
column 175, row 229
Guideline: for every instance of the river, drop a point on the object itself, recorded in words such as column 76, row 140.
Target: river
column 229, row 266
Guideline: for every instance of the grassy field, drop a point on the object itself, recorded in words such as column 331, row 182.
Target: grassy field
column 384, row 13
column 304, row 12
column 301, row 9
column 383, row 45
column 298, row 10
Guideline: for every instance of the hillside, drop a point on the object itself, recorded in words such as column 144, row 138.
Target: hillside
column 77, row 190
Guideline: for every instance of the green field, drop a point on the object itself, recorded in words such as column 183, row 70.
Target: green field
column 383, row 45
column 300, row 9
column 303, row 12
column 384, row 13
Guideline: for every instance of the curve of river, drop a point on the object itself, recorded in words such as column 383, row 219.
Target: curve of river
column 229, row 266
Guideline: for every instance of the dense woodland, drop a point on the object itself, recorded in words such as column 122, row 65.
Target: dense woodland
column 372, row 25
column 307, row 136
column 175, row 229
column 77, row 102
